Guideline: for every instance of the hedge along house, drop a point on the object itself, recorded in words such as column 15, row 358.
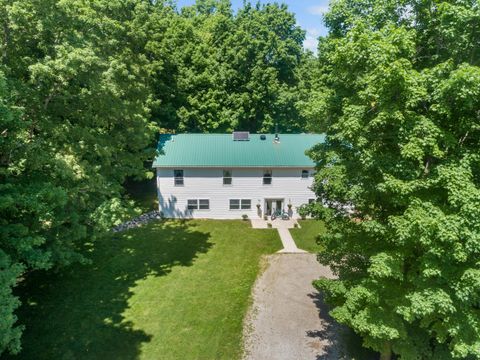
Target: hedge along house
column 226, row 176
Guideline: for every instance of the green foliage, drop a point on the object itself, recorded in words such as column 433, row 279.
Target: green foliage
column 74, row 123
column 304, row 211
column 216, row 71
column 9, row 330
column 398, row 93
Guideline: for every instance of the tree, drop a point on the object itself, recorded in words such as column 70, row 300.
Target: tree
column 74, row 123
column 398, row 94
column 222, row 72
column 10, row 141
column 263, row 54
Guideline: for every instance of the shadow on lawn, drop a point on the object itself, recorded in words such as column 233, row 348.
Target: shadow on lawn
column 344, row 344
column 78, row 314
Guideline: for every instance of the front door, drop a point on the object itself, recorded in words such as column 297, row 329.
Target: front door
column 279, row 205
column 272, row 205
column 268, row 208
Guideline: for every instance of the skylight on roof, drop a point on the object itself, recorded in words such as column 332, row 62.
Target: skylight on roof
column 241, row 136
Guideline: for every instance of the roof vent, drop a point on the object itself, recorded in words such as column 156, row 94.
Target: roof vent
column 263, row 137
column 241, row 136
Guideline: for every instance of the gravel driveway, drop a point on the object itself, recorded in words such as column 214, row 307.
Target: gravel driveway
column 288, row 319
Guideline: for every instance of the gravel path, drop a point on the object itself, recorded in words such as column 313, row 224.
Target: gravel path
column 288, row 319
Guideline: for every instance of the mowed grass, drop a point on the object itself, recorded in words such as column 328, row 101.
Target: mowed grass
column 306, row 236
column 169, row 290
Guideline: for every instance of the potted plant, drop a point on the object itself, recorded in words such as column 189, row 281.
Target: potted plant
column 269, row 225
column 245, row 217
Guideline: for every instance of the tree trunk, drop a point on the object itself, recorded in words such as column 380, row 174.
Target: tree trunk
column 386, row 353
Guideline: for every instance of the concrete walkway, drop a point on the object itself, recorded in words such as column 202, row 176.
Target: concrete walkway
column 282, row 226
column 289, row 245
column 288, row 319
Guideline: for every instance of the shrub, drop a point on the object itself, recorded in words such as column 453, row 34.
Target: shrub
column 304, row 211
column 245, row 217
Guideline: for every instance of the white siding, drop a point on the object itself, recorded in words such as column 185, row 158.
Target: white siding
column 207, row 183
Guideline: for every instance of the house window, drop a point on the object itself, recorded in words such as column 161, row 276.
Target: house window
column 234, row 204
column 267, row 177
column 192, row 204
column 237, row 204
column 305, row 174
column 178, row 176
column 195, row 204
column 246, row 204
column 227, row 177
column 204, row 204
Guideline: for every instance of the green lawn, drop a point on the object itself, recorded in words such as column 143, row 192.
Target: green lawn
column 169, row 290
column 306, row 236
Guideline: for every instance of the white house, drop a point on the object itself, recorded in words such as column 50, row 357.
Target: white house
column 225, row 176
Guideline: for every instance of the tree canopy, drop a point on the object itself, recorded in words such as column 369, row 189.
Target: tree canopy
column 84, row 88
column 398, row 93
column 217, row 72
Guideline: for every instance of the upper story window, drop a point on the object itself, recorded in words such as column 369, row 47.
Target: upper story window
column 305, row 174
column 178, row 176
column 227, row 177
column 267, row 177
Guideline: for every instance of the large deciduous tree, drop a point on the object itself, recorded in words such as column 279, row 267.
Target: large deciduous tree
column 223, row 71
column 74, row 123
column 399, row 96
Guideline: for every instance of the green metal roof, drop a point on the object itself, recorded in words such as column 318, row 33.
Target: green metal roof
column 219, row 150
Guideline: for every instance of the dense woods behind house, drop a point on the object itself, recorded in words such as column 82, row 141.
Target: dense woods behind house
column 86, row 86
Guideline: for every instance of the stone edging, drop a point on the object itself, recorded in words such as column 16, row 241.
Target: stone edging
column 138, row 221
